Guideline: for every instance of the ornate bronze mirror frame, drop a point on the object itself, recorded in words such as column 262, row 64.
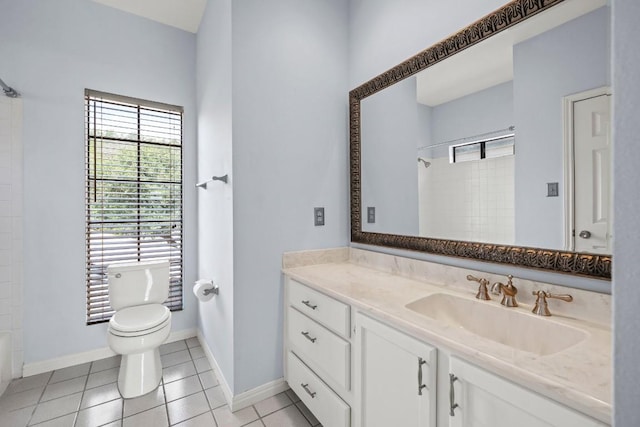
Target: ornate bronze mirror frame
column 585, row 264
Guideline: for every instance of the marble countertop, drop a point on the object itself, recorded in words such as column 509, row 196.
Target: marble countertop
column 579, row 376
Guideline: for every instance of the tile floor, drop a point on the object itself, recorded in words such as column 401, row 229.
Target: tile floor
column 189, row 396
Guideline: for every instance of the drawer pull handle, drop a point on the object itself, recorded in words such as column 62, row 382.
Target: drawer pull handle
column 306, row 335
column 308, row 304
column 309, row 392
column 421, row 362
column 452, row 395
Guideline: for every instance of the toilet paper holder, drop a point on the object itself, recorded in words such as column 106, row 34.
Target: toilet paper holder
column 205, row 289
column 214, row 290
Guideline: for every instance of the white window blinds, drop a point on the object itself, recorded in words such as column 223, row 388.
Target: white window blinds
column 133, row 191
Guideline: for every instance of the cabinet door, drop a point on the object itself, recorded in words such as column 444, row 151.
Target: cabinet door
column 395, row 377
column 482, row 399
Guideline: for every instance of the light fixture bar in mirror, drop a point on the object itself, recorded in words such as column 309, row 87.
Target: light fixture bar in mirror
column 512, row 13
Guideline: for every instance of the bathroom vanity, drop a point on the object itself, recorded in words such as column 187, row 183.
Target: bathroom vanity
column 378, row 340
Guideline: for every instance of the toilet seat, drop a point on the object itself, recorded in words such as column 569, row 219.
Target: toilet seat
column 139, row 320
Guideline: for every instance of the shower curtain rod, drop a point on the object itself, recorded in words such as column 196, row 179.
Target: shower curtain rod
column 9, row 91
column 474, row 139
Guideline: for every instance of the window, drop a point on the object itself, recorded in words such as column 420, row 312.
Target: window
column 133, row 192
column 483, row 149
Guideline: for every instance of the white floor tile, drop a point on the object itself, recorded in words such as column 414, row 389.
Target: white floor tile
column 100, row 414
column 193, row 342
column 182, row 388
column 56, row 408
column 28, row 383
column 63, row 388
column 272, row 404
column 202, row 365
column 156, row 417
column 204, row 420
column 187, row 407
column 176, row 358
column 107, row 363
column 225, row 418
column 215, row 396
column 70, row 372
column 11, row 402
column 208, row 379
column 172, row 347
column 102, row 377
column 287, row 417
column 64, row 421
column 99, row 395
column 143, row 403
column 68, row 397
column 196, row 352
column 177, row 372
column 17, row 418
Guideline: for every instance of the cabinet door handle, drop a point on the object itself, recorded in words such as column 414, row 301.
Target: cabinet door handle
column 308, row 304
column 309, row 392
column 421, row 362
column 452, row 395
column 306, row 335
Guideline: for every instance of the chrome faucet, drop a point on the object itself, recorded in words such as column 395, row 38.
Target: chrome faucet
column 508, row 292
column 482, row 289
column 541, row 308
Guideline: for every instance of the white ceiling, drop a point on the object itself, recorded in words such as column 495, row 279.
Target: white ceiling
column 183, row 14
column 491, row 62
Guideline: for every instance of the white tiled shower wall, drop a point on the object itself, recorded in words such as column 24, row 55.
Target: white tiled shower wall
column 11, row 225
column 471, row 200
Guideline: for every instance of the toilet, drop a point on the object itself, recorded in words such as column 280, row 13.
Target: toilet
column 140, row 323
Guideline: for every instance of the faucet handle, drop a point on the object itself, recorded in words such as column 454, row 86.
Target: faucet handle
column 508, row 291
column 482, row 289
column 541, row 308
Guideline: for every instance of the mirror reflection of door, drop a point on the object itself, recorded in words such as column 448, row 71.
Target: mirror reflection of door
column 592, row 174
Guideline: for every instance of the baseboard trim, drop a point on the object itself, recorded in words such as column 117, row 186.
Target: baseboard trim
column 257, row 394
column 29, row 369
column 226, row 390
column 247, row 398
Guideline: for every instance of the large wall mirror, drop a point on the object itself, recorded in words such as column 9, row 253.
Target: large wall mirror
column 493, row 144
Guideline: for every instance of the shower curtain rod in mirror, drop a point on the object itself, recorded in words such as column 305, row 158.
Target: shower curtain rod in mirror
column 484, row 137
column 9, row 91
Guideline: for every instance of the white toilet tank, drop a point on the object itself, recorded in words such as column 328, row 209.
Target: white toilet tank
column 138, row 283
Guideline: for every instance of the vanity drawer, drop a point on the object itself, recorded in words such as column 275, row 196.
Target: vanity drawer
column 321, row 347
column 326, row 310
column 327, row 407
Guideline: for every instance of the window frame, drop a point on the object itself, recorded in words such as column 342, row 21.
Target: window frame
column 98, row 309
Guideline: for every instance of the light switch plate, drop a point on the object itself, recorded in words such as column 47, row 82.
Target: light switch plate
column 318, row 216
column 371, row 214
column 552, row 189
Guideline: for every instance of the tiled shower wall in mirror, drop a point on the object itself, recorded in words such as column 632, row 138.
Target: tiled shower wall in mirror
column 11, row 230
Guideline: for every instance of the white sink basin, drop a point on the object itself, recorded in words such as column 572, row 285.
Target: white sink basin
column 507, row 326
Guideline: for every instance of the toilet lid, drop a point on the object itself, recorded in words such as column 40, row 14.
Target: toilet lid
column 139, row 318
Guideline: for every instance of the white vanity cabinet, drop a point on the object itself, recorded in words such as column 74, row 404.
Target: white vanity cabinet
column 481, row 399
column 395, row 377
column 318, row 353
column 353, row 369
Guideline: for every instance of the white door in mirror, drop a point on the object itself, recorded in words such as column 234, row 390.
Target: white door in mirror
column 592, row 151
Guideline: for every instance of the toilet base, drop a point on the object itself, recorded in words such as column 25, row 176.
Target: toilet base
column 140, row 373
